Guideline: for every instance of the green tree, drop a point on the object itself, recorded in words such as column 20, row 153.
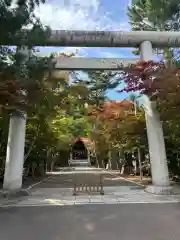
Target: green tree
column 97, row 83
column 21, row 78
column 151, row 15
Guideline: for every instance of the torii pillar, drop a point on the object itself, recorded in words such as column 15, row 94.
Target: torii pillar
column 12, row 183
column 157, row 151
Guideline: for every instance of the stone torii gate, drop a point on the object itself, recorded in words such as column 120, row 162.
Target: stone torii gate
column 145, row 41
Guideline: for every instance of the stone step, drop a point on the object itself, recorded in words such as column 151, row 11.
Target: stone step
column 79, row 162
column 81, row 169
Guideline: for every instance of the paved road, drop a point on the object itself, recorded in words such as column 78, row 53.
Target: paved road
column 65, row 180
column 97, row 222
column 125, row 221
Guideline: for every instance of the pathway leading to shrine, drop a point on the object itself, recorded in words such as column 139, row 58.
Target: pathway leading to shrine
column 52, row 213
column 57, row 190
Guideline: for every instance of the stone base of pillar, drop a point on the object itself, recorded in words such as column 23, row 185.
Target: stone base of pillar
column 14, row 193
column 160, row 190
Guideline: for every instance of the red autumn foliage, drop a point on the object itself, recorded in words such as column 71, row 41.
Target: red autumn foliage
column 142, row 77
column 14, row 93
column 8, row 91
column 111, row 109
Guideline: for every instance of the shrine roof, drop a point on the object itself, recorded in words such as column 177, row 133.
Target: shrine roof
column 82, row 139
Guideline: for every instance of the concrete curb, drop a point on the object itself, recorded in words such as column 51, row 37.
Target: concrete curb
column 9, row 199
column 173, row 193
column 84, row 204
column 33, row 185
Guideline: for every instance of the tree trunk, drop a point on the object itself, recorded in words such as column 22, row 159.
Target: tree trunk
column 48, row 161
column 134, row 163
column 52, row 166
column 97, row 161
column 109, row 159
column 100, row 162
column 119, row 165
column 121, row 162
column 31, row 146
column 46, row 167
column 140, row 164
column 114, row 159
column 95, row 153
column 33, row 166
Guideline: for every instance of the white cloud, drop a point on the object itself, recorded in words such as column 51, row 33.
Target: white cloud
column 107, row 54
column 47, row 51
column 77, row 15
column 91, row 4
column 80, row 51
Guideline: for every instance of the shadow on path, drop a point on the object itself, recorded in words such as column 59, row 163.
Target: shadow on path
column 65, row 180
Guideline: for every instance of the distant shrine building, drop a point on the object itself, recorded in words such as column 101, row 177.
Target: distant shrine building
column 79, row 154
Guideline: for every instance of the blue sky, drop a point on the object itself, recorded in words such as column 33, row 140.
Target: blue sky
column 87, row 15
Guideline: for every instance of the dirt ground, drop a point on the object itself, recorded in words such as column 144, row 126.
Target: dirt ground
column 27, row 182
column 145, row 181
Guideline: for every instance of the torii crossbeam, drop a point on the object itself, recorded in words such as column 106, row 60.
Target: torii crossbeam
column 103, row 39
column 81, row 63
